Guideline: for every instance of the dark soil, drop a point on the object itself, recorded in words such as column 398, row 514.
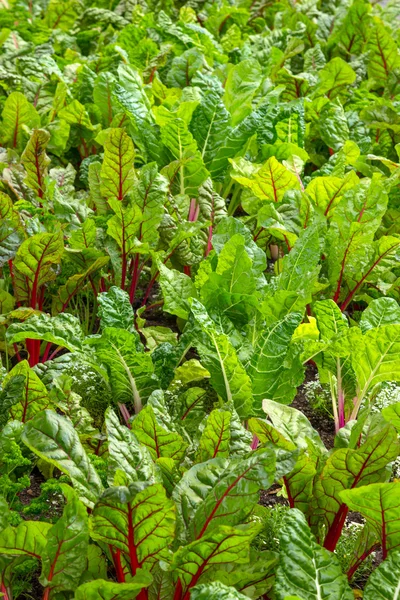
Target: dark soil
column 33, row 491
column 318, row 419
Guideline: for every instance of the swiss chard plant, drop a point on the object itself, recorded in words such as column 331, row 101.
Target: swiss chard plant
column 199, row 212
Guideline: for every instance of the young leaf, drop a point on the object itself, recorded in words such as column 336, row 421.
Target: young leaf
column 35, row 259
column 215, row 439
column 110, row 590
column 160, row 442
column 36, row 161
column 17, row 112
column 33, row 397
column 269, row 182
column 117, row 171
column 54, row 439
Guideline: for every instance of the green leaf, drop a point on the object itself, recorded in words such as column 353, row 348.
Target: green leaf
column 131, row 372
column 126, row 454
column 221, row 546
column 75, row 114
column 384, row 581
column 208, row 494
column 383, row 311
column 215, row 591
column 348, row 468
column 117, row 171
column 184, row 67
column 33, row 396
column 268, row 182
column 17, row 112
column 54, row 439
column 63, row 330
column 293, row 425
column 149, row 194
column 132, row 98
column 240, row 87
column 209, row 125
column 379, row 505
column 377, row 358
column 218, row 356
column 75, row 283
column 160, row 442
column 215, row 439
column 36, row 161
column 335, row 75
column 138, row 522
column 35, row 259
column 383, row 56
column 115, row 309
column 327, row 192
column 110, row 590
column 28, row 538
column 275, row 373
column 306, row 569
column 64, row 558
column 176, row 288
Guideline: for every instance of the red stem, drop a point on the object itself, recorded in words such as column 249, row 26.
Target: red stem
column 125, row 414
column 3, row 590
column 46, row 352
column 360, row 560
column 335, row 529
column 117, row 564
column 135, row 279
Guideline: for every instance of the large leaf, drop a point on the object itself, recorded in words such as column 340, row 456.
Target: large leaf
column 54, row 439
column 28, row 538
column 305, row 569
column 384, row 582
column 274, row 376
column 207, row 495
column 228, row 376
column 126, row 454
column 223, row 545
column 63, row 330
column 379, row 505
column 131, row 371
column 349, row 468
column 139, row 522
